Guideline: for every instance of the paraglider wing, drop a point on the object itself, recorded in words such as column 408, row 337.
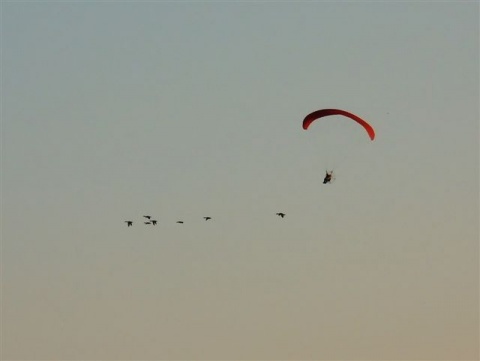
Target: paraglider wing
column 326, row 112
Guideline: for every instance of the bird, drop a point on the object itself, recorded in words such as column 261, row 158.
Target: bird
column 280, row 214
column 129, row 223
column 148, row 217
column 154, row 222
column 179, row 221
column 147, row 222
column 207, row 218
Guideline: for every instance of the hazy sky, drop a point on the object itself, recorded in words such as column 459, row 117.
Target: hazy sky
column 179, row 110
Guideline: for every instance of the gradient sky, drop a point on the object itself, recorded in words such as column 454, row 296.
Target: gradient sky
column 179, row 110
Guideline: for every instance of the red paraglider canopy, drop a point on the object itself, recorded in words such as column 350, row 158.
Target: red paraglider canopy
column 326, row 112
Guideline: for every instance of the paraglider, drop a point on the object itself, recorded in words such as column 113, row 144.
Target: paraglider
column 310, row 118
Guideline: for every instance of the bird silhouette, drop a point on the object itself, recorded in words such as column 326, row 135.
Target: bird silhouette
column 180, row 222
column 148, row 217
column 147, row 222
column 207, row 218
column 280, row 214
column 154, row 222
column 129, row 223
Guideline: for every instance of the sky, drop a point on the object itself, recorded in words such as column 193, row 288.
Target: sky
column 180, row 110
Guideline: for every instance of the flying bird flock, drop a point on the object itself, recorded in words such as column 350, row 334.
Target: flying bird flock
column 154, row 222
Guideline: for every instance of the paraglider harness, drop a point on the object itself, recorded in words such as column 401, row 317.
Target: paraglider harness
column 328, row 177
